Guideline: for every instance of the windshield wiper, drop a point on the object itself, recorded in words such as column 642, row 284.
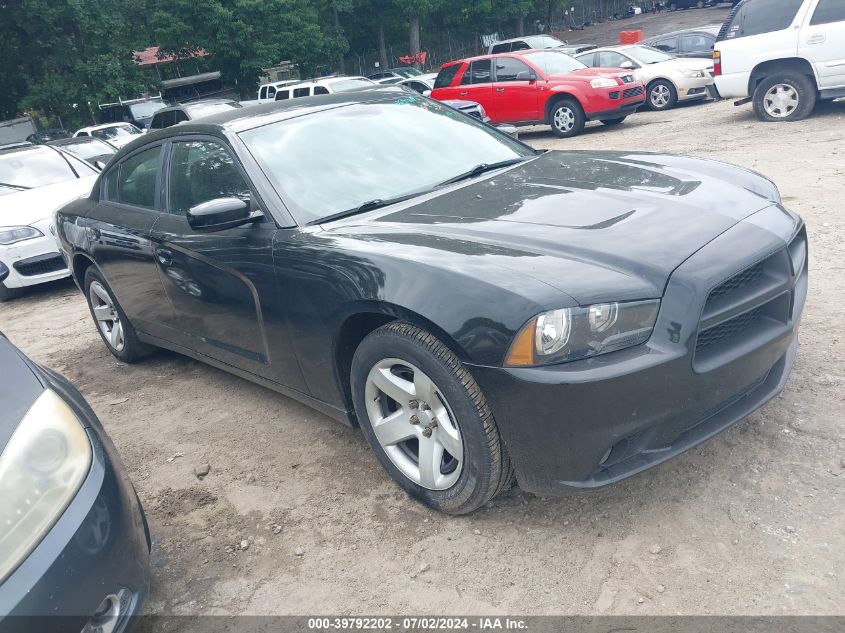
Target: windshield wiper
column 11, row 186
column 482, row 168
column 369, row 205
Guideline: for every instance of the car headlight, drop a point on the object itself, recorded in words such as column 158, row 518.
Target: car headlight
column 693, row 74
column 603, row 82
column 41, row 469
column 12, row 234
column 482, row 111
column 574, row 333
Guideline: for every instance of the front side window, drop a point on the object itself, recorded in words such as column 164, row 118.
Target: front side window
column 588, row 59
column 281, row 95
column 321, row 90
column 301, row 92
column 829, row 11
column 478, row 72
column 336, row 160
column 201, row 171
column 611, row 59
column 504, row 47
column 446, row 76
column 697, row 43
column 179, row 116
column 509, row 69
column 667, row 45
column 271, row 92
column 136, row 182
column 762, row 16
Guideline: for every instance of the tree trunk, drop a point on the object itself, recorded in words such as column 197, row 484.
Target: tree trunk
column 520, row 26
column 415, row 36
column 382, row 47
column 341, row 63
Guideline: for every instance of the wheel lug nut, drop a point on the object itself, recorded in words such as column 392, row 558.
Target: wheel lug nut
column 427, row 432
column 413, row 404
column 424, row 406
column 414, row 420
column 433, row 423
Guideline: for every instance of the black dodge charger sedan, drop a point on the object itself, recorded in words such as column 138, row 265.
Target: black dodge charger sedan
column 480, row 309
column 74, row 544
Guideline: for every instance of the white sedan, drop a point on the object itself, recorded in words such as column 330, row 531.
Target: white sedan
column 118, row 134
column 668, row 79
column 35, row 180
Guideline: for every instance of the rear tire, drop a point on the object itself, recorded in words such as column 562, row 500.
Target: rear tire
column 419, row 407
column 111, row 321
column 661, row 95
column 785, row 96
column 612, row 122
column 567, row 118
column 7, row 294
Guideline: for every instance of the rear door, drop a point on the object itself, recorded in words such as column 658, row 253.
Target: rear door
column 477, row 85
column 515, row 94
column 443, row 83
column 218, row 282
column 118, row 231
column 822, row 42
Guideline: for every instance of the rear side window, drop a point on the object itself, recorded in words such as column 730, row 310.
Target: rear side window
column 520, row 46
column 179, row 116
column 829, row 11
column 755, row 17
column 302, row 92
column 446, row 75
column 136, row 183
column 504, row 47
column 478, row 73
column 281, row 95
column 667, row 45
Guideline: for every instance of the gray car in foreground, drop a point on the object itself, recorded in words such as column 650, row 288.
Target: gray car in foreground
column 74, row 543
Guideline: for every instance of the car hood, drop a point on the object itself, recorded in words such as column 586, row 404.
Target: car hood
column 34, row 205
column 590, row 224
column 585, row 74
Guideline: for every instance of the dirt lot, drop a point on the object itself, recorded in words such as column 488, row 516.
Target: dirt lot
column 296, row 516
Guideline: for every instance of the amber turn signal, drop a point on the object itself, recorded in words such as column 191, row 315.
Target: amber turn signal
column 521, row 353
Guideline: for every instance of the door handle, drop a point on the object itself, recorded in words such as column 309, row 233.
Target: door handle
column 816, row 39
column 500, row 89
column 164, row 256
column 464, row 93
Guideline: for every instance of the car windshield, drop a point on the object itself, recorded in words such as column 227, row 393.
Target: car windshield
column 336, row 160
column 116, row 131
column 347, row 85
column 146, row 109
column 36, row 167
column 410, row 71
column 648, row 55
column 554, row 62
column 90, row 149
column 198, row 110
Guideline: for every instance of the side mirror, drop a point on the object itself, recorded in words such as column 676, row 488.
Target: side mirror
column 628, row 65
column 219, row 214
column 99, row 165
column 426, row 93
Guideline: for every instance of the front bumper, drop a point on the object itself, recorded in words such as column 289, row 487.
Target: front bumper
column 733, row 85
column 30, row 262
column 692, row 89
column 98, row 547
column 593, row 422
column 609, row 103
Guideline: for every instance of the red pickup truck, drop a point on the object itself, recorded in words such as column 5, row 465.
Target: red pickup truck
column 542, row 86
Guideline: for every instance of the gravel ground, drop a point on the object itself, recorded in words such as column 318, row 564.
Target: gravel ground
column 296, row 516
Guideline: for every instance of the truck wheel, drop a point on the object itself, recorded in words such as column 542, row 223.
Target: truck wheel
column 785, row 96
column 610, row 122
column 567, row 118
column 426, row 419
column 7, row 294
column 661, row 95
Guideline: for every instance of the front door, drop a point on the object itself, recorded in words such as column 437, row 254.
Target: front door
column 515, row 91
column 476, row 85
column 822, row 42
column 218, row 282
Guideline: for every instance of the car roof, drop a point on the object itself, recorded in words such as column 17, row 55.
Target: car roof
column 524, row 38
column 521, row 53
column 240, row 119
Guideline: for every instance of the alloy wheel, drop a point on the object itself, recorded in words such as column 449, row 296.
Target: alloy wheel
column 414, row 425
column 781, row 101
column 106, row 316
column 564, row 119
column 660, row 96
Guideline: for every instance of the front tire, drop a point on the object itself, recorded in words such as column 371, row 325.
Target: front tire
column 786, row 96
column 426, row 419
column 662, row 95
column 7, row 294
column 111, row 321
column 567, row 118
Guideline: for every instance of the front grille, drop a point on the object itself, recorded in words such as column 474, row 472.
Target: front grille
column 632, row 92
column 738, row 282
column 728, row 329
column 40, row 265
column 614, row 94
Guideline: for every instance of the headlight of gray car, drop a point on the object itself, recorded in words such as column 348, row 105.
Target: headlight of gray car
column 41, row 470
column 570, row 334
column 693, row 74
column 12, row 234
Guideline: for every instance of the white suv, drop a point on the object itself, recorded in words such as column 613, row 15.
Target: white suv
column 783, row 55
